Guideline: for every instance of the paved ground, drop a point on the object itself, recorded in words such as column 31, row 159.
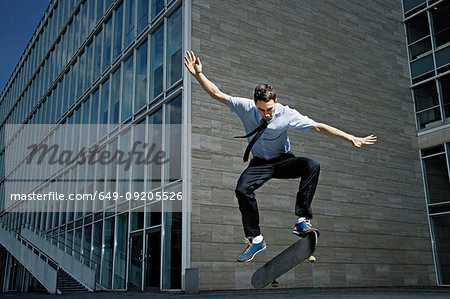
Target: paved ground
column 433, row 292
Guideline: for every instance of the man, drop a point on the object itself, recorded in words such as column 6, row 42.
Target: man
column 266, row 122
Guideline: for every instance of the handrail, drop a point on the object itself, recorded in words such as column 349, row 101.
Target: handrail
column 54, row 264
column 47, row 236
column 20, row 238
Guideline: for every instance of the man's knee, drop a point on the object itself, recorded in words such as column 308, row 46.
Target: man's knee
column 314, row 166
column 242, row 190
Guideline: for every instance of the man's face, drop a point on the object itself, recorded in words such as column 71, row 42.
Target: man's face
column 266, row 109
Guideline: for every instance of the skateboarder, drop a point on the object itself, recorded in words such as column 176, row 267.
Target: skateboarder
column 266, row 122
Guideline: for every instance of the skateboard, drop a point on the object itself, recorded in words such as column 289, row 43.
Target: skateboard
column 286, row 260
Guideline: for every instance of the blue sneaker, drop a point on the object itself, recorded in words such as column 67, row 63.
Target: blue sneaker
column 252, row 249
column 303, row 227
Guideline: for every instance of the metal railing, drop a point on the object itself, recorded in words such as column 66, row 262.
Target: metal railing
column 85, row 259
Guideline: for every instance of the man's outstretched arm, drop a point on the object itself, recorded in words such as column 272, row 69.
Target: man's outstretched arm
column 357, row 141
column 195, row 68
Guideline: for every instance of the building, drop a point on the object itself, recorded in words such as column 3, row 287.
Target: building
column 427, row 25
column 96, row 73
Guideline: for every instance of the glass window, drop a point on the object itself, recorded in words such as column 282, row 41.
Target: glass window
column 111, row 179
column 437, row 178
column 107, row 44
column 427, row 105
column 157, row 7
column 89, row 64
column 441, row 227
column 153, row 214
column 141, row 77
column 115, row 97
column 81, row 75
column 61, row 99
column 120, row 268
column 104, row 106
column 69, row 242
column 84, row 22
column 173, row 140
column 127, row 89
column 137, row 220
column 143, row 8
column 70, row 40
column 77, row 243
column 154, row 140
column 124, row 171
column 97, row 248
column 87, row 244
column 92, row 16
column 156, row 73
column 99, row 10
column 65, row 99
column 441, row 24
column 117, row 49
column 108, row 248
column 98, row 56
column 73, row 83
column 417, row 28
column 174, row 41
column 445, row 92
column 419, row 42
column 129, row 21
column 65, row 58
column 108, row 3
column 138, row 168
column 410, row 4
column 94, row 108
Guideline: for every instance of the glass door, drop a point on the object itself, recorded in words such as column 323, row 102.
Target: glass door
column 136, row 261
column 152, row 260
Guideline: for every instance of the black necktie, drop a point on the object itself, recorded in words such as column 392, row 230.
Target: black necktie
column 259, row 130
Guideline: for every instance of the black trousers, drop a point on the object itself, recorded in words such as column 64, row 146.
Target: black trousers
column 259, row 171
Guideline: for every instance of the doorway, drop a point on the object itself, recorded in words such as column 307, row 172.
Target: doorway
column 145, row 260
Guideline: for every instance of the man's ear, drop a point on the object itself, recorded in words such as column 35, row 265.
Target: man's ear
column 275, row 101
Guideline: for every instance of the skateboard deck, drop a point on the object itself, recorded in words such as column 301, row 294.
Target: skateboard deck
column 285, row 261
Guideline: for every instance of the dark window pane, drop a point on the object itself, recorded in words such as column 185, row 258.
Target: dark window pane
column 174, row 42
column 441, row 23
column 143, row 8
column 129, row 21
column 127, row 89
column 437, row 180
column 441, row 228
column 445, row 92
column 156, row 75
column 157, row 7
column 118, row 32
column 141, row 77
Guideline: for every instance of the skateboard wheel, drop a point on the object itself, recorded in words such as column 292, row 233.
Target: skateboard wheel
column 312, row 259
column 274, row 284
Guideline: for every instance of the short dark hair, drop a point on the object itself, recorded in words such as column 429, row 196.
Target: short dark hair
column 264, row 92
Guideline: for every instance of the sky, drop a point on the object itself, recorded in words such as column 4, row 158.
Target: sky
column 18, row 21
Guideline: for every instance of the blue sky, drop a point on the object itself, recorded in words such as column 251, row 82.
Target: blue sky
column 18, row 20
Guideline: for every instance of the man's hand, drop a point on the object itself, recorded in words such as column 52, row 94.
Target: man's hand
column 195, row 68
column 193, row 64
column 359, row 141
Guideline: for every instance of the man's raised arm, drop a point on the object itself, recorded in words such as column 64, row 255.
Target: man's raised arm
column 334, row 132
column 195, row 68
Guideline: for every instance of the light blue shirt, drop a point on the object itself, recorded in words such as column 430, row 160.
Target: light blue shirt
column 274, row 141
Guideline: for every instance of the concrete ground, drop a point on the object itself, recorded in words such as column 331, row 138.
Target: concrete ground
column 403, row 292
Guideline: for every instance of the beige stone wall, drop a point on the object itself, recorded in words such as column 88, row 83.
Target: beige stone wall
column 339, row 62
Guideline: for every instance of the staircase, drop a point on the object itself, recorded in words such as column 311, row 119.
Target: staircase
column 68, row 285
